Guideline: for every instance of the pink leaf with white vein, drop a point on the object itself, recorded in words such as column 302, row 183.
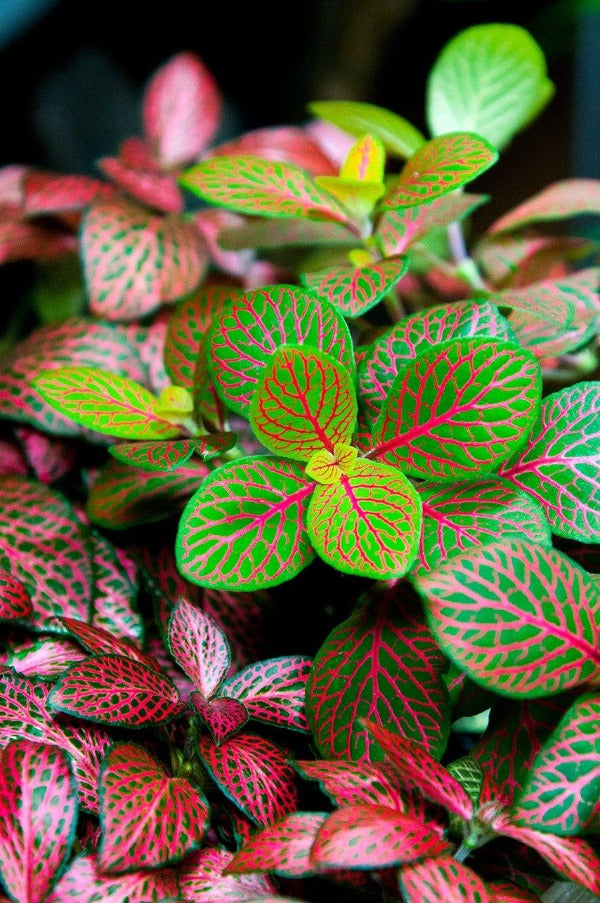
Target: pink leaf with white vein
column 199, row 646
column 273, row 691
column 85, row 883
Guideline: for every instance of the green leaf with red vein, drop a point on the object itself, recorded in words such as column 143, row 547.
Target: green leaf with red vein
column 44, row 546
column 461, row 408
column 398, row 136
column 367, row 523
column 102, row 401
column 474, row 512
column 249, row 184
column 222, row 716
column 111, row 689
column 573, row 858
column 282, row 848
column 76, row 342
column 413, row 335
column 304, row 403
column 201, row 877
column 48, row 192
column 363, row 836
column 260, row 322
column 123, row 496
column 560, row 200
column 438, row 167
column 181, row 109
column 267, row 234
column 348, row 783
column 135, row 261
column 38, row 816
column 560, row 464
column 244, row 527
column 165, row 457
column 273, row 690
column 353, row 290
column 100, row 642
column 199, row 646
column 397, row 229
column 85, row 883
column 418, row 769
column 442, row 878
column 24, row 714
column 188, row 324
column 254, row 774
column 382, row 663
column 504, row 613
column 148, row 818
column 15, row 601
column 563, row 784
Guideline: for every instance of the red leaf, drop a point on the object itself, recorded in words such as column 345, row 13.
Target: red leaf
column 38, row 813
column 363, row 836
column 254, row 773
column 99, row 641
column 273, row 691
column 48, row 192
column 418, row 769
column 148, row 818
column 283, row 847
column 352, row 783
column 111, row 689
column 283, row 143
column 15, row 601
column 222, row 716
column 83, row 883
column 156, row 189
column 201, row 878
column 442, row 878
column 181, row 110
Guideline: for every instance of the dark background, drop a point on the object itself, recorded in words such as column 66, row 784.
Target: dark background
column 73, row 75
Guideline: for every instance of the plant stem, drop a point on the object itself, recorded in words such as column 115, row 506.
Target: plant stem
column 463, row 851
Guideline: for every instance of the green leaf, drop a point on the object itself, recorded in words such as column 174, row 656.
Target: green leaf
column 440, row 166
column 458, row 409
column 259, row 187
column 563, row 784
column 490, row 79
column 110, row 404
column 304, row 403
column 244, row 527
column 354, row 290
column 367, row 523
column 397, row 135
column 167, row 456
column 521, row 619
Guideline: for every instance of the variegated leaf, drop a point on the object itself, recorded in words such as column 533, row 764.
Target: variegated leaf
column 398, row 136
column 442, row 878
column 273, row 691
column 263, row 321
column 461, row 408
column 398, row 229
column 254, row 773
column 112, row 689
column 560, row 464
column 46, row 657
column 199, row 647
column 348, row 783
column 559, row 200
column 363, row 836
column 244, row 527
column 38, row 816
column 115, row 590
column 201, row 877
column 249, row 184
column 148, row 818
column 15, row 601
column 24, row 714
column 438, row 167
column 381, row 664
column 353, row 290
column 283, row 847
column 222, row 716
column 181, row 109
column 84, row 882
column 504, row 613
column 45, row 193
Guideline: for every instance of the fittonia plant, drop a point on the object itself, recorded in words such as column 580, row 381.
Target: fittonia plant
column 302, row 373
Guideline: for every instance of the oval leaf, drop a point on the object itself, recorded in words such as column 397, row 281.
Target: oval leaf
column 304, row 403
column 443, row 878
column 382, row 663
column 563, row 785
column 505, row 613
column 273, row 691
column 244, row 527
column 355, row 290
column 260, row 323
column 560, row 464
column 115, row 690
column 260, row 187
column 38, row 816
column 440, row 166
column 199, row 647
column 560, row 200
column 222, row 716
column 397, row 229
column 85, row 883
column 15, row 601
column 201, row 877
column 490, row 79
column 367, row 523
column 461, row 408
column 397, row 135
column 254, row 774
column 347, row 783
column 282, row 848
column 148, row 818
